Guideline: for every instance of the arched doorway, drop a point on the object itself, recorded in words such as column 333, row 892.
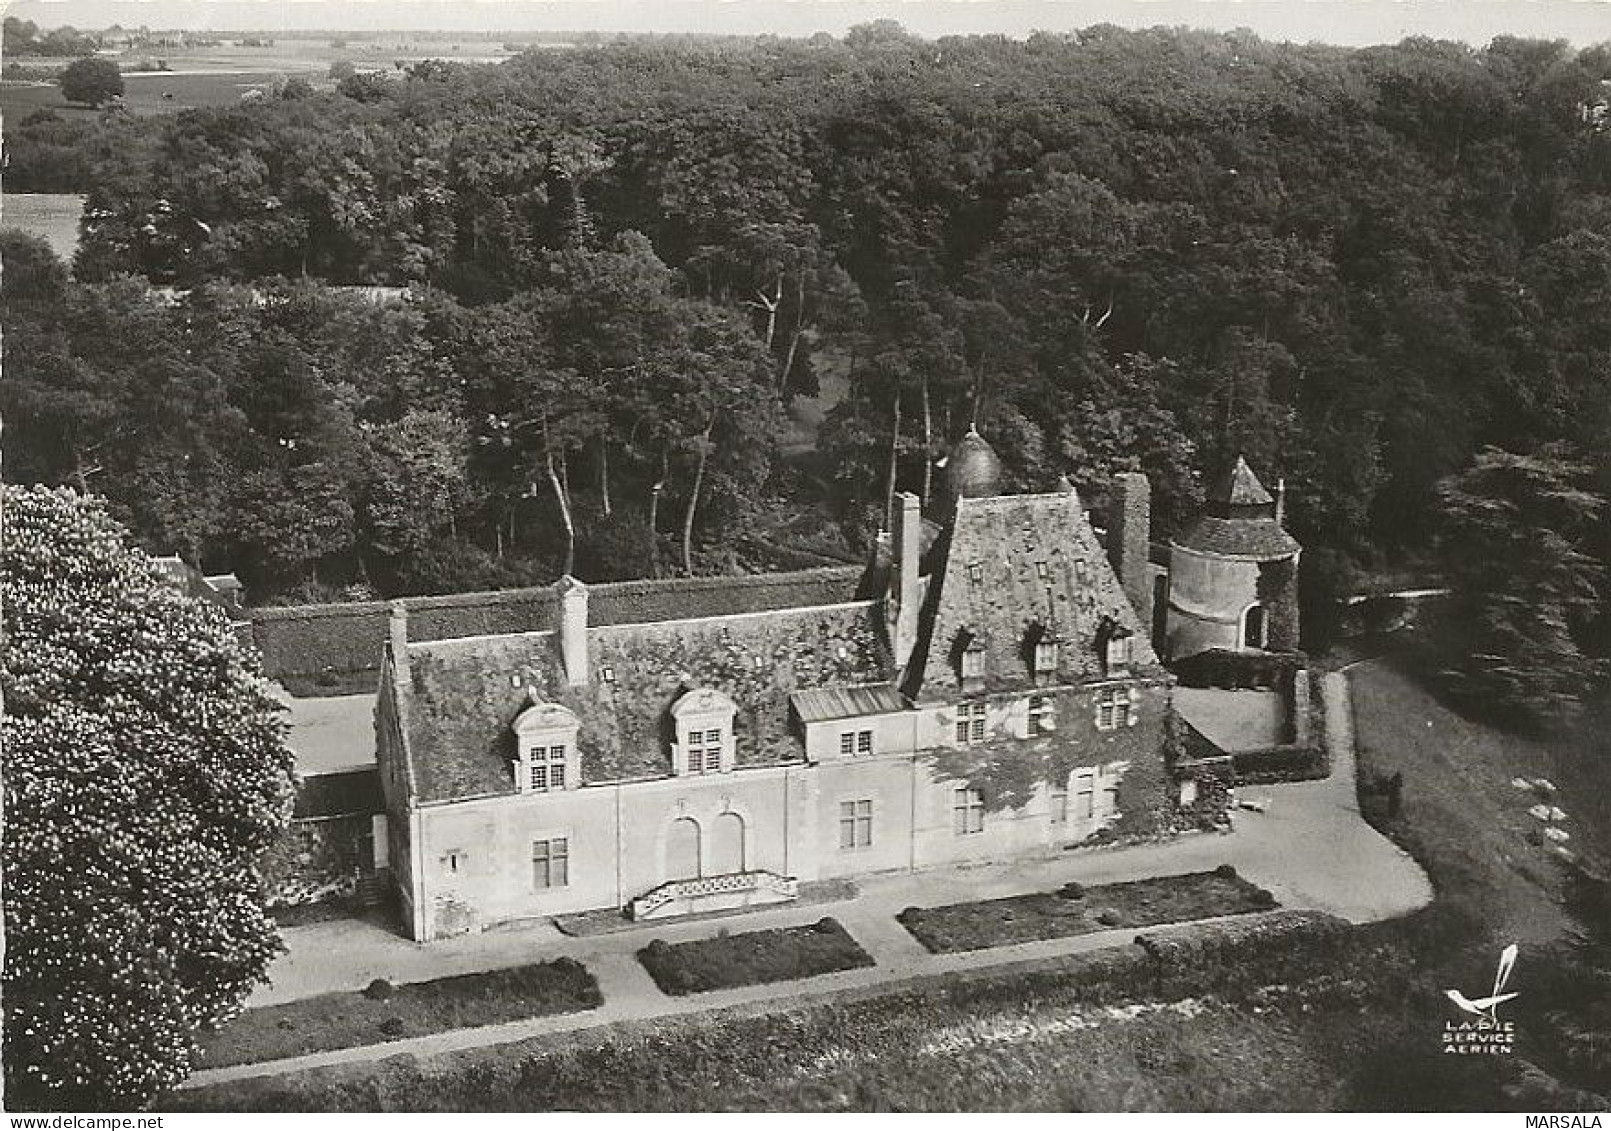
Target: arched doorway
column 727, row 844
column 1253, row 626
column 683, row 850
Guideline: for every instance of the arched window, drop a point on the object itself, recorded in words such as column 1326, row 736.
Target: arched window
column 1253, row 624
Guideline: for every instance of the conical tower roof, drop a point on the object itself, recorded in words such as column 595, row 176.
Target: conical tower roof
column 1237, row 486
column 1239, row 520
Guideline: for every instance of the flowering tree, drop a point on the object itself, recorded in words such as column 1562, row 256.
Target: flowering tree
column 146, row 772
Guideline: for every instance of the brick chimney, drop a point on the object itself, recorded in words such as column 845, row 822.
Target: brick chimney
column 1130, row 539
column 904, row 582
column 573, row 629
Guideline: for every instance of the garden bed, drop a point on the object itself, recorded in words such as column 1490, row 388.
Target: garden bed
column 389, row 1013
column 1077, row 910
column 752, row 958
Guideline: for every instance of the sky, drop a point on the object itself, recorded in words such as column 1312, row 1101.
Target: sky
column 1347, row 22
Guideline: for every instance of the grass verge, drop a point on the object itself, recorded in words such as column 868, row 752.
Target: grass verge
column 386, row 1013
column 752, row 958
column 1077, row 910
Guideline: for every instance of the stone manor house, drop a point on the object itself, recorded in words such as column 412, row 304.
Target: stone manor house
column 991, row 688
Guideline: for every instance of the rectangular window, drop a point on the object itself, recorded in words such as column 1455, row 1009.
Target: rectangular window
column 704, row 754
column 452, row 860
column 855, row 742
column 551, row 863
column 970, row 723
column 1059, row 804
column 967, row 807
column 1115, row 707
column 1041, row 571
column 1119, row 655
column 975, row 572
column 1040, row 715
column 1084, row 795
column 1110, row 795
column 1046, row 656
column 973, row 663
column 547, row 767
column 855, row 824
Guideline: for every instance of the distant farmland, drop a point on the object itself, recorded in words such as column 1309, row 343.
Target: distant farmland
column 143, row 92
column 53, row 217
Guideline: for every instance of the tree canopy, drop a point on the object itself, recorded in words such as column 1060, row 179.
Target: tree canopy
column 1112, row 250
column 145, row 775
column 91, row 80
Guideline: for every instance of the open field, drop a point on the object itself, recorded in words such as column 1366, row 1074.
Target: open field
column 143, row 93
column 218, row 76
column 51, row 216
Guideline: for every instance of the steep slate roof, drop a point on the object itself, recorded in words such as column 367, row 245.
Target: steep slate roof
column 1006, row 540
column 464, row 694
column 1239, row 487
column 1259, row 538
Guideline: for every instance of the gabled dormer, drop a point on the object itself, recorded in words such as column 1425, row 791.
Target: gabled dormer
column 1115, row 645
column 702, row 724
column 1043, row 650
column 546, row 756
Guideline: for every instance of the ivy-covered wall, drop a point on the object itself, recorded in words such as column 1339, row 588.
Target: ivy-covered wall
column 319, row 860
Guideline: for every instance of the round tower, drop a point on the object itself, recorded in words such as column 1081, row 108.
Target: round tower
column 1233, row 574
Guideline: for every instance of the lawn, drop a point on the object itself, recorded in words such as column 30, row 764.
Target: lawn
column 381, row 1013
column 751, row 958
column 1461, row 817
column 1076, row 910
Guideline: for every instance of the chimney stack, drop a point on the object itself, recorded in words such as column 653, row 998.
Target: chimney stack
column 397, row 642
column 904, row 580
column 1130, row 539
column 573, row 630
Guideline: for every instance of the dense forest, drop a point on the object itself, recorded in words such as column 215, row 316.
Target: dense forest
column 626, row 263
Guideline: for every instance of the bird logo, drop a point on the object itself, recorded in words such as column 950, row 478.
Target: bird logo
column 1488, row 1007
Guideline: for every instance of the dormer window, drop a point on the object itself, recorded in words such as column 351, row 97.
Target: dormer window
column 1116, row 643
column 976, row 573
column 973, row 659
column 545, row 767
column 546, row 759
column 1045, row 650
column 703, row 720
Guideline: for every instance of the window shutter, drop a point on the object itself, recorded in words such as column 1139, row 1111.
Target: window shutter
column 1135, row 705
